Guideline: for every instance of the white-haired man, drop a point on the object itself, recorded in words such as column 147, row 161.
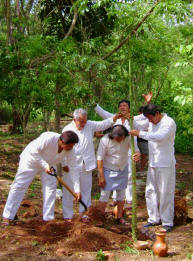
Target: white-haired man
column 85, row 130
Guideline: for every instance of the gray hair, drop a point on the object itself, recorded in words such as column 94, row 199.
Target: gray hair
column 79, row 112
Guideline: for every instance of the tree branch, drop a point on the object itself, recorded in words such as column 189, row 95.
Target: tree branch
column 132, row 32
column 42, row 59
column 161, row 85
column 29, row 7
column 73, row 23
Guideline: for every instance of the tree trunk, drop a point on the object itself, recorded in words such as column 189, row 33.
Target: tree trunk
column 17, row 123
column 46, row 120
column 8, row 21
column 57, row 108
column 134, row 194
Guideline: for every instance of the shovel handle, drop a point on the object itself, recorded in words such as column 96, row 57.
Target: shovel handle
column 60, row 180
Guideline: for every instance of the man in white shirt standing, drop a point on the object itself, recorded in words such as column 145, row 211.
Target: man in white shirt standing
column 39, row 156
column 85, row 130
column 160, row 185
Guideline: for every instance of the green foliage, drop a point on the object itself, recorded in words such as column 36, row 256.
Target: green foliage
column 41, row 72
column 100, row 256
column 130, row 250
column 35, row 243
column 5, row 113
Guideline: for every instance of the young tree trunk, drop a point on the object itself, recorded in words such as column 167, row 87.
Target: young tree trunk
column 17, row 123
column 57, row 108
column 46, row 120
column 8, row 21
column 134, row 194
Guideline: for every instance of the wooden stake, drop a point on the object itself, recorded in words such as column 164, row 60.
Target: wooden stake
column 134, row 194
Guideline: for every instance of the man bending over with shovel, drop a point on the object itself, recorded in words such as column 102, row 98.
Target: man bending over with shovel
column 39, row 156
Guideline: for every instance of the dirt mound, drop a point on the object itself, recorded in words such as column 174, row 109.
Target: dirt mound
column 95, row 214
column 93, row 239
column 180, row 211
column 70, row 237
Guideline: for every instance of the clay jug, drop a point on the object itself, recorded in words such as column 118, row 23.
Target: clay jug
column 160, row 247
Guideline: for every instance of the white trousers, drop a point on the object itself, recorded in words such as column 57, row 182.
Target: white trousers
column 85, row 189
column 160, row 188
column 128, row 190
column 20, row 185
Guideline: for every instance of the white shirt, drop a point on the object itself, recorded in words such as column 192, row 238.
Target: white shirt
column 105, row 115
column 114, row 154
column 43, row 152
column 85, row 147
column 141, row 122
column 161, row 142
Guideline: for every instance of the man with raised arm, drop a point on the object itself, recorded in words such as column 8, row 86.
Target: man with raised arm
column 139, row 122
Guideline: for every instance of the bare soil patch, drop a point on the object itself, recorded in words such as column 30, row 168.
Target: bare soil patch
column 32, row 239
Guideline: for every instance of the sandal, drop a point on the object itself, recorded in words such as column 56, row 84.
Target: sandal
column 85, row 219
column 68, row 220
column 4, row 223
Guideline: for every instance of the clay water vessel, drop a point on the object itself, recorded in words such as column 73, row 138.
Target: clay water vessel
column 160, row 247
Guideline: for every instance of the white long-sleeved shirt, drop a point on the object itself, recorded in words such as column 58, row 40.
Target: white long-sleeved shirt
column 114, row 154
column 105, row 115
column 43, row 152
column 85, row 147
column 161, row 138
column 140, row 122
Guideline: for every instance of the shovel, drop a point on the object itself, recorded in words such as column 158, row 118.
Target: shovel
column 61, row 181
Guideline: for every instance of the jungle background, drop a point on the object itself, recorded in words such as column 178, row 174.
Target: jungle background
column 58, row 55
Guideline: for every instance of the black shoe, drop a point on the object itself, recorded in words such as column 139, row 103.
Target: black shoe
column 149, row 224
column 167, row 228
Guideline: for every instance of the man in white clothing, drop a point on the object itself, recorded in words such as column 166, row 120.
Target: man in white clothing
column 85, row 130
column 39, row 156
column 160, row 185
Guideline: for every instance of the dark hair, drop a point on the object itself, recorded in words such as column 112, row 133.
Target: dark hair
column 118, row 131
column 69, row 137
column 126, row 101
column 151, row 109
column 141, row 109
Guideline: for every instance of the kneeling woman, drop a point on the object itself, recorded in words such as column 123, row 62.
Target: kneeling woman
column 112, row 160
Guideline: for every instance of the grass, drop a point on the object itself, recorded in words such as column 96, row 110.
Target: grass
column 96, row 196
column 100, row 256
column 7, row 175
column 190, row 203
column 181, row 186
